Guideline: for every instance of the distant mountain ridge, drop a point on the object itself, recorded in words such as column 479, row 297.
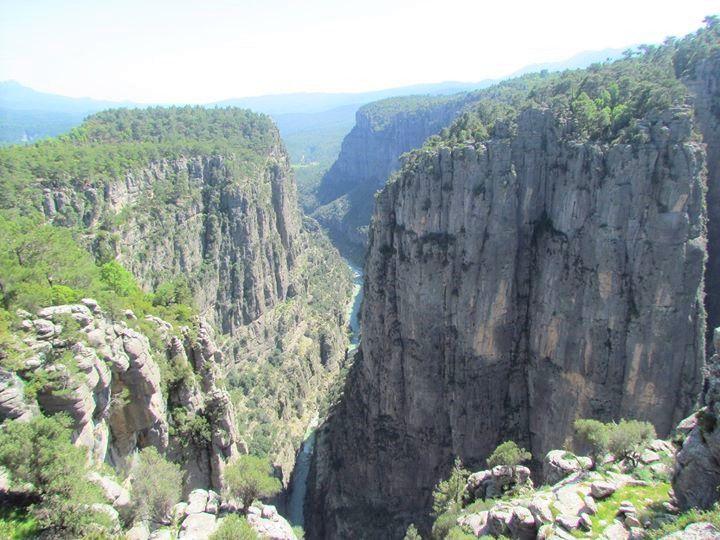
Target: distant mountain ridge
column 27, row 115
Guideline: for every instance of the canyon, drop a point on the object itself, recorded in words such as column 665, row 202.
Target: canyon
column 540, row 251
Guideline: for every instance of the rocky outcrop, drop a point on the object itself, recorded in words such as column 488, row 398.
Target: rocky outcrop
column 383, row 131
column 105, row 376
column 697, row 468
column 208, row 400
column 512, row 286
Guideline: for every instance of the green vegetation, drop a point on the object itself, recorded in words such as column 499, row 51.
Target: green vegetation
column 605, row 103
column 157, row 486
column 112, row 143
column 17, row 524
column 55, row 472
column 687, row 518
column 646, row 499
column 448, row 494
column 624, row 440
column 412, row 533
column 508, row 454
column 250, row 477
column 234, row 527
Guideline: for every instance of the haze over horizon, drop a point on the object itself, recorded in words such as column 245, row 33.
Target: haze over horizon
column 183, row 52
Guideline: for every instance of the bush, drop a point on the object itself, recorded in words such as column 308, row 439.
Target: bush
column 593, row 434
column 627, row 437
column 508, row 454
column 56, row 470
column 448, row 494
column 412, row 533
column 250, row 477
column 156, row 487
column 234, row 527
column 623, row 440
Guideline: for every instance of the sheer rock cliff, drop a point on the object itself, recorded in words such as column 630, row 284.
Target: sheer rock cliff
column 512, row 286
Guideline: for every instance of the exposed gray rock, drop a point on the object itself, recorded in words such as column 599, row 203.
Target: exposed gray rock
column 559, row 464
column 508, row 292
column 198, row 526
column 697, row 469
column 13, row 403
column 602, row 489
column 696, row 531
column 495, row 482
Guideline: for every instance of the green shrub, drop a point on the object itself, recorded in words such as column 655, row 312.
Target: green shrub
column 234, row 527
column 593, row 434
column 508, row 454
column 412, row 533
column 627, row 437
column 443, row 524
column 623, row 440
column 55, row 468
column 448, row 494
column 250, row 477
column 156, row 487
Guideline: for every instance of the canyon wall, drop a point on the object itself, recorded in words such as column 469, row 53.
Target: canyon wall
column 383, row 131
column 512, row 286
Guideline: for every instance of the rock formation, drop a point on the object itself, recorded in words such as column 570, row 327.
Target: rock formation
column 104, row 375
column 697, row 469
column 370, row 152
column 513, row 285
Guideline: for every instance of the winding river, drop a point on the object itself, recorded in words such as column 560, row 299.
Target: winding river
column 302, row 465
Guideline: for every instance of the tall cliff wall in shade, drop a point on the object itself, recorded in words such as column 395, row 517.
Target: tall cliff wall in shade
column 540, row 262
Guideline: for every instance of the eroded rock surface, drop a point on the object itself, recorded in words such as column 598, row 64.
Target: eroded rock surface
column 513, row 286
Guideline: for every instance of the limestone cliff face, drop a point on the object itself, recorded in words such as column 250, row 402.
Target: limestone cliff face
column 513, row 286
column 228, row 222
column 370, row 152
column 704, row 85
column 229, row 231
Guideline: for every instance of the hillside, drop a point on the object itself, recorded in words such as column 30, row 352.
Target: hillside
column 173, row 218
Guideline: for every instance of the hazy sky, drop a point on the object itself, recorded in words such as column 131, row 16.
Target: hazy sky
column 199, row 51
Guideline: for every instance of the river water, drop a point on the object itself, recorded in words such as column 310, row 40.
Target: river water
column 302, row 465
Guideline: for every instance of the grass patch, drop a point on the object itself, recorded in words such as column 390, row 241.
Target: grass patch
column 17, row 525
column 646, row 499
column 685, row 519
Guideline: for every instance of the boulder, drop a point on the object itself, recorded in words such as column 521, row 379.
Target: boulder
column 569, row 499
column 568, row 522
column 274, row 528
column 696, row 531
column 615, row 531
column 495, row 482
column 117, row 495
column 13, row 402
column 498, row 519
column 198, row 526
column 602, row 489
column 540, row 509
column 559, row 464
column 522, row 524
column 213, row 502
column 139, row 531
column 477, row 523
column 197, row 501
